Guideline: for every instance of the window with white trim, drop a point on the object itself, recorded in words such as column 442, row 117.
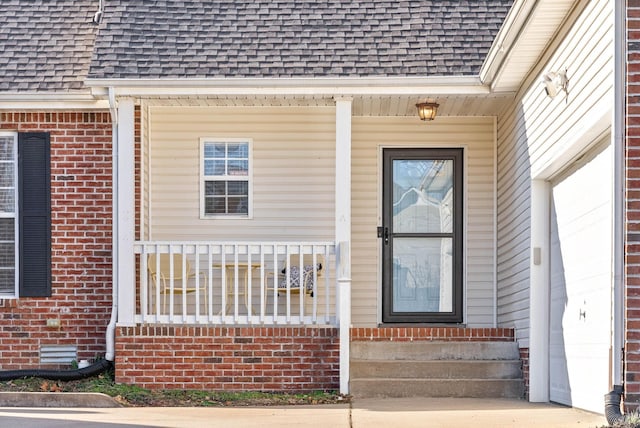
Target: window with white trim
column 225, row 171
column 25, row 214
column 8, row 211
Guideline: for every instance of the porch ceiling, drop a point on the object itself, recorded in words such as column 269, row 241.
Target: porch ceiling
column 367, row 105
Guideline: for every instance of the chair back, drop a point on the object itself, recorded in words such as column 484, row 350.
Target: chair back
column 165, row 266
column 307, row 260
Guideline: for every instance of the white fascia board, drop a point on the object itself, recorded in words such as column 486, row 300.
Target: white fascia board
column 506, row 39
column 470, row 85
column 523, row 15
column 50, row 101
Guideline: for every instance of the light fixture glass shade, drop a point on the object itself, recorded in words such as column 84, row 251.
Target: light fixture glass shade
column 427, row 111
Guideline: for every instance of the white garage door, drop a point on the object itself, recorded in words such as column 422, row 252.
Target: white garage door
column 580, row 313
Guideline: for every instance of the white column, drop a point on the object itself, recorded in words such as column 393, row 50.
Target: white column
column 343, row 232
column 124, row 212
column 539, row 293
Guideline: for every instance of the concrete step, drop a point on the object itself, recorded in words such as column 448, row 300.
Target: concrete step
column 427, row 350
column 455, row 388
column 436, row 369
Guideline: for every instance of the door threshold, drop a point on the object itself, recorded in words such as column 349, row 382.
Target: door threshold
column 421, row 325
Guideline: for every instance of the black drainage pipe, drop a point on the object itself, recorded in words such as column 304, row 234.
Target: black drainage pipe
column 612, row 405
column 92, row 370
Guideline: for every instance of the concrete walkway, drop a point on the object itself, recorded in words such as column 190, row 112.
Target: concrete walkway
column 362, row 413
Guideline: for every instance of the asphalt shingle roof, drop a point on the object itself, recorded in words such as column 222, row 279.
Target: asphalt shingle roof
column 45, row 44
column 294, row 38
column 48, row 45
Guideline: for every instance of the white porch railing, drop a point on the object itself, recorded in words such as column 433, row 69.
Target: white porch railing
column 244, row 283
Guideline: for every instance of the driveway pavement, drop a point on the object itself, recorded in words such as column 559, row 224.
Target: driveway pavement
column 362, row 413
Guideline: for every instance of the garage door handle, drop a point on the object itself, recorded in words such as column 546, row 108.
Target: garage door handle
column 583, row 315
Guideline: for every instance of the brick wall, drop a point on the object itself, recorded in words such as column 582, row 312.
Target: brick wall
column 81, row 241
column 524, row 358
column 291, row 359
column 632, row 198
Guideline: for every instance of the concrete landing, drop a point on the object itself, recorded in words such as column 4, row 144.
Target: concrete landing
column 362, row 413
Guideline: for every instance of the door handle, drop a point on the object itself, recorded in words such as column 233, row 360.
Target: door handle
column 383, row 232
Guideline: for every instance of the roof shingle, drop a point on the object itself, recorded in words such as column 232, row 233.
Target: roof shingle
column 46, row 44
column 294, row 38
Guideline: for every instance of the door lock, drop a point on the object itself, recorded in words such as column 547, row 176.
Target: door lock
column 383, row 232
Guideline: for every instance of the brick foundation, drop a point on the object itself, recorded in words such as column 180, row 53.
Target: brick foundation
column 81, row 241
column 292, row 359
column 407, row 334
column 524, row 357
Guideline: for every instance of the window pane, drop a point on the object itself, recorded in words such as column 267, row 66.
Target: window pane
column 214, row 150
column 6, row 174
column 214, row 167
column 215, row 205
column 423, row 196
column 238, row 167
column 238, row 205
column 7, row 255
column 422, row 275
column 215, row 188
column 6, row 148
column 239, row 150
column 238, row 188
column 7, row 281
column 7, row 202
column 7, row 229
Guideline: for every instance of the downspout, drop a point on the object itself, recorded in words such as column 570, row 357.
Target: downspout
column 111, row 327
column 613, row 398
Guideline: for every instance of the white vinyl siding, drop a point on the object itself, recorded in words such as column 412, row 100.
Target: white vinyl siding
column 293, row 172
column 537, row 135
column 476, row 136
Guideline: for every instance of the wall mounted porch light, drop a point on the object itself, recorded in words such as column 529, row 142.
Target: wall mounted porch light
column 555, row 82
column 427, row 111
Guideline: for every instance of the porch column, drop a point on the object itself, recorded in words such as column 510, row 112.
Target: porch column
column 539, row 293
column 124, row 212
column 343, row 232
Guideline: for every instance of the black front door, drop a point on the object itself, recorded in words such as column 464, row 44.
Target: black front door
column 422, row 235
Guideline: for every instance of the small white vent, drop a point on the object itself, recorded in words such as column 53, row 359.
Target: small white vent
column 58, row 354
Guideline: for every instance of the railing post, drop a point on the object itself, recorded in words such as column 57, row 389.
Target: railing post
column 343, row 231
column 344, row 312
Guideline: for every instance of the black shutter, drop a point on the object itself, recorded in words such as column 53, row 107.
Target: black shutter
column 34, row 214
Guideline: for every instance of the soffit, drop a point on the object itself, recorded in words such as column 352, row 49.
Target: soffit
column 450, row 105
column 539, row 24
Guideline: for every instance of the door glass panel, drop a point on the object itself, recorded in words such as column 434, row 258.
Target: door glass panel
column 422, row 275
column 423, row 196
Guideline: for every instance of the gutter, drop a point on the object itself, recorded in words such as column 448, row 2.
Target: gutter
column 520, row 13
column 111, row 327
column 436, row 85
column 35, row 100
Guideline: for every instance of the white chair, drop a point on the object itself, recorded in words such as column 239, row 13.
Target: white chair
column 163, row 276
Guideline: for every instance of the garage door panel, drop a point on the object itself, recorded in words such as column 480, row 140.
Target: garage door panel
column 580, row 276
